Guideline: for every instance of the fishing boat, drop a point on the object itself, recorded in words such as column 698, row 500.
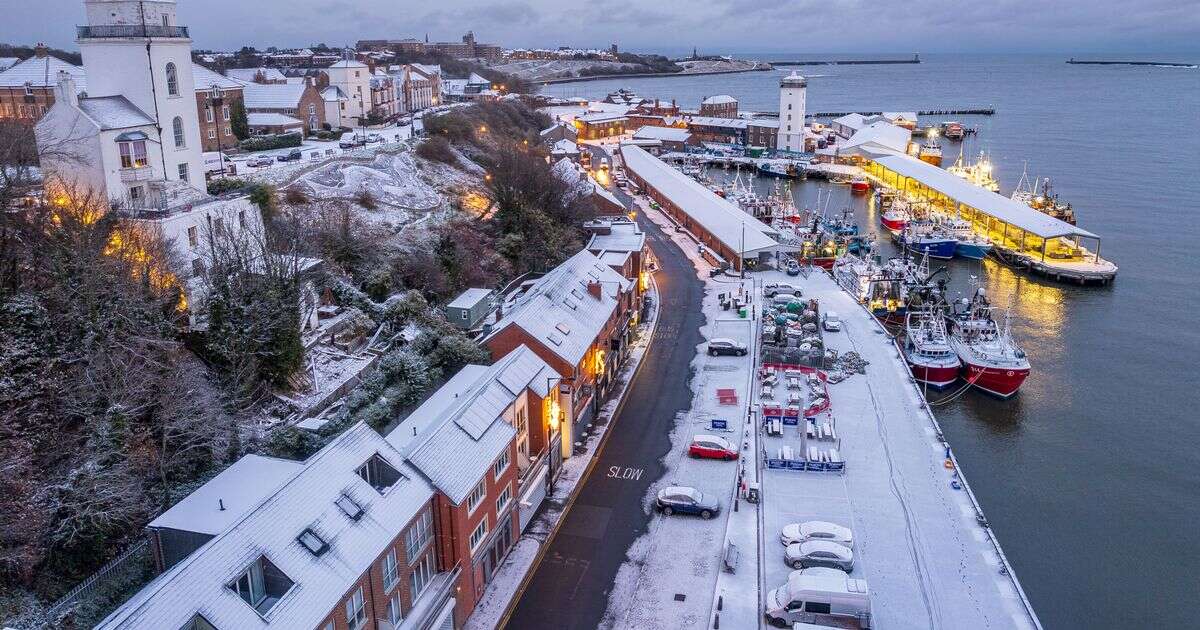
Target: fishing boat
column 895, row 215
column 880, row 288
column 781, row 168
column 991, row 360
column 931, row 152
column 923, row 237
column 978, row 172
column 953, row 130
column 968, row 244
column 927, row 348
column 1039, row 195
column 860, row 185
column 841, row 225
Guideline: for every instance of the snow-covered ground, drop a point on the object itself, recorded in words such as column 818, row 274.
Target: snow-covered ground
column 315, row 151
column 520, row 560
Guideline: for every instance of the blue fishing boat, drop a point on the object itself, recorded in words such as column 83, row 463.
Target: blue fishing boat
column 921, row 237
column 970, row 245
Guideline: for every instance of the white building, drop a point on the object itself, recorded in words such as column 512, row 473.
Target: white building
column 335, row 107
column 792, row 94
column 353, row 78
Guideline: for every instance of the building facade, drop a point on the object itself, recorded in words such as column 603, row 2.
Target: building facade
column 27, row 87
column 353, row 78
column 300, row 101
column 217, row 97
column 719, row 106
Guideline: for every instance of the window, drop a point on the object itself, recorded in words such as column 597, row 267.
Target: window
column 183, row 171
column 212, row 134
column 208, row 113
column 219, row 225
column 133, row 153
column 789, row 108
column 390, row 574
column 177, row 127
column 193, row 236
column 135, row 192
column 28, row 89
column 312, row 109
column 464, row 314
column 198, row 622
column 356, row 614
column 418, row 535
column 197, row 267
column 503, row 499
column 379, row 473
column 817, row 607
column 523, row 432
column 394, row 613
column 349, row 507
column 478, row 535
column 476, row 497
column 228, row 130
column 241, row 218
column 165, row 21
column 224, row 112
column 172, row 80
column 501, row 465
column 261, row 585
column 421, row 575
column 312, row 542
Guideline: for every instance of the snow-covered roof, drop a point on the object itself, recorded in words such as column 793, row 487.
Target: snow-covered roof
column 199, row 583
column 894, row 116
column 623, row 236
column 607, row 195
column 229, row 496
column 560, row 312
column 564, row 146
column 878, row 137
column 8, row 62
column 429, row 69
column 599, row 117
column 725, row 221
column 271, row 119
column 42, row 72
column 719, row 99
column 1011, row 212
column 763, row 122
column 273, row 95
column 333, row 93
column 250, row 74
column 469, row 298
column 670, row 134
column 461, row 429
column 348, row 63
column 205, row 79
column 710, row 121
column 114, row 112
column 476, row 79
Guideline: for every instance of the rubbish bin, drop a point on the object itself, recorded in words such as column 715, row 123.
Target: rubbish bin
column 742, row 312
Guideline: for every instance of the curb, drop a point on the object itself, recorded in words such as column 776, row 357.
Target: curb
column 537, row 559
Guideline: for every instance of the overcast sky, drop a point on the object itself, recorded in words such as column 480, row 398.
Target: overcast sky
column 715, row 26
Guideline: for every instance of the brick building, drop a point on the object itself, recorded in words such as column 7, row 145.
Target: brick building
column 341, row 541
column 216, row 98
column 762, row 133
column 301, row 101
column 723, row 130
column 619, row 243
column 598, row 125
column 468, row 48
column 484, row 441
column 719, row 106
column 27, row 87
column 577, row 318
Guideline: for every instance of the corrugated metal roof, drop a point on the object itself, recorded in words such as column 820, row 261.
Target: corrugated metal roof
column 461, row 430
column 719, row 217
column 879, row 136
column 1011, row 212
column 709, row 121
column 561, row 296
column 199, row 582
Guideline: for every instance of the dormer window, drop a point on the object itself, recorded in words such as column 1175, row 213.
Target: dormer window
column 198, row 622
column 28, row 89
column 380, row 474
column 262, row 585
column 132, row 148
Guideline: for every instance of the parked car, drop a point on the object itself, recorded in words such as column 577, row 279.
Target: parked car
column 291, row 156
column 726, row 346
column 817, row 530
column 831, row 322
column 260, row 160
column 821, row 571
column 819, row 553
column 771, row 289
column 711, row 447
column 686, row 500
column 809, row 599
column 374, row 137
column 604, row 164
column 793, row 268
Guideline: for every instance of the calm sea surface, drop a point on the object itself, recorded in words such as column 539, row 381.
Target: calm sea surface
column 1091, row 475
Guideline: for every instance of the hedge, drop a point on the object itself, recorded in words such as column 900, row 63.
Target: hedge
column 278, row 141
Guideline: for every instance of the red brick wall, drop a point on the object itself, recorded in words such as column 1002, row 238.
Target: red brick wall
column 13, row 101
column 224, row 128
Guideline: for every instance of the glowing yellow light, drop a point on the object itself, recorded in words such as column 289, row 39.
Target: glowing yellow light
column 643, row 280
column 483, row 129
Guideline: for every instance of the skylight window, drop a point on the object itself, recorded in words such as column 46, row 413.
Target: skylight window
column 571, row 304
column 349, row 507
column 555, row 339
column 312, row 542
column 563, row 328
column 262, row 585
column 380, row 474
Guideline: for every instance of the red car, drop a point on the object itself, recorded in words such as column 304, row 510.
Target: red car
column 711, row 447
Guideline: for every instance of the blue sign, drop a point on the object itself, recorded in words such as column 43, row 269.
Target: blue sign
column 719, row 424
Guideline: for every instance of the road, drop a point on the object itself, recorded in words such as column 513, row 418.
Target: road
column 570, row 586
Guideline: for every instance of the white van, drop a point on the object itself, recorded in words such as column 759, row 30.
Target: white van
column 814, row 598
column 831, row 322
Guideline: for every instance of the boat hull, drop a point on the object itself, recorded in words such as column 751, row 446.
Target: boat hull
column 998, row 381
column 943, row 249
column 860, row 187
column 936, row 376
column 894, row 226
column 972, row 251
column 932, row 158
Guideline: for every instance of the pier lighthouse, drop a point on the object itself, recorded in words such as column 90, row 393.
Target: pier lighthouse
column 792, row 90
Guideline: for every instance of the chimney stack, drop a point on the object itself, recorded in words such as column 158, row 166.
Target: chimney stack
column 64, row 89
column 595, row 290
column 40, row 51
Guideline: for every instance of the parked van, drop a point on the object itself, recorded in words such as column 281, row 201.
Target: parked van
column 815, row 598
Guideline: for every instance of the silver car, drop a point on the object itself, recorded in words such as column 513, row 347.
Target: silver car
column 819, row 553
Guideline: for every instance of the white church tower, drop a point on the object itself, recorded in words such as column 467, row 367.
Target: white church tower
column 136, row 49
column 792, row 89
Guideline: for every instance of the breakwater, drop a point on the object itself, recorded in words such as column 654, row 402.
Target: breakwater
column 846, row 62
column 1161, row 64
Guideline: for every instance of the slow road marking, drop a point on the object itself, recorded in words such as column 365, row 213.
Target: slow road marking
column 625, row 472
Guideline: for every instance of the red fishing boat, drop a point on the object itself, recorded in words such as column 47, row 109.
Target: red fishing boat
column 992, row 361
column 927, row 349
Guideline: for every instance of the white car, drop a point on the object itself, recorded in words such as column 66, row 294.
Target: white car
column 817, row 530
column 771, row 289
column 819, row 553
column 831, row 322
column 821, row 572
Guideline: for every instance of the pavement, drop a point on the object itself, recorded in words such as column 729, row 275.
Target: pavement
column 570, row 587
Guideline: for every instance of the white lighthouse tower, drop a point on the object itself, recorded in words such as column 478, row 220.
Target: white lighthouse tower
column 792, row 89
column 136, row 49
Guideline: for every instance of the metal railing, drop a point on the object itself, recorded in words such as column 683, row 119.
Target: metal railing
column 87, row 585
column 130, row 30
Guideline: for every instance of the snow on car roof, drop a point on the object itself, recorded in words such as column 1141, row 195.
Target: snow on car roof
column 825, row 545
